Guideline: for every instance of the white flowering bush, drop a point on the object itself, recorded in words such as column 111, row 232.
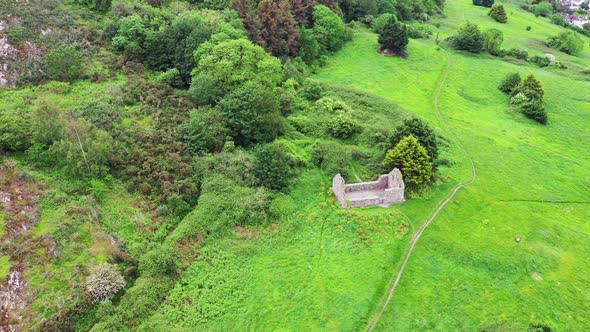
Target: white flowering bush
column 104, row 282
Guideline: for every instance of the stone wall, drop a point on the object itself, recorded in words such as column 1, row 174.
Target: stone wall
column 387, row 190
column 338, row 187
column 364, row 202
column 380, row 184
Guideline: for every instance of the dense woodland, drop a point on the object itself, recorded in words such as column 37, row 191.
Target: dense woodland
column 146, row 132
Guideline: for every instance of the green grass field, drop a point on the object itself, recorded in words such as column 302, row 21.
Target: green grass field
column 467, row 271
column 322, row 268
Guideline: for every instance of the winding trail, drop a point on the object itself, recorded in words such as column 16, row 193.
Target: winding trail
column 442, row 203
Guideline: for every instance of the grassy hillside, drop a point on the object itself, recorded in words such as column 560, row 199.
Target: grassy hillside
column 468, row 271
column 318, row 264
column 182, row 212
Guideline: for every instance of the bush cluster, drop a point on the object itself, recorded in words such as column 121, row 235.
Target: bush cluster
column 527, row 95
column 567, row 41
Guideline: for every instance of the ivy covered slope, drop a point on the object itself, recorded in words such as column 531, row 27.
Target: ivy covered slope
column 166, row 165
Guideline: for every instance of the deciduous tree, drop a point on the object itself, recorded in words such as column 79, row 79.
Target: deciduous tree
column 63, row 63
column 252, row 114
column 234, row 62
column 278, row 28
column 328, row 28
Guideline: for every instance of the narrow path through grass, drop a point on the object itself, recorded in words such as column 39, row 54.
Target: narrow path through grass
column 442, row 203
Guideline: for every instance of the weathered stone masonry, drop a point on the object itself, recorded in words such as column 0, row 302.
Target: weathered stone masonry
column 387, row 190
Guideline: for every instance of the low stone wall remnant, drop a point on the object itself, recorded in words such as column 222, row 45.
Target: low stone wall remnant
column 387, row 190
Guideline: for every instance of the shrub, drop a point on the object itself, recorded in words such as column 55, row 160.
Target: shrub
column 558, row 19
column 510, row 83
column 311, row 90
column 528, row 28
column 252, row 114
column 544, row 9
column 517, row 53
column 519, row 99
column 418, row 31
column 342, row 126
column 329, row 105
column 422, row 131
column 272, row 167
column 205, row 130
column 331, row 157
column 98, row 5
column 324, row 105
column 83, row 151
column 17, row 34
column 104, row 282
column 224, row 203
column 170, row 77
column 468, row 38
column 381, row 21
column 394, row 35
column 63, row 63
column 157, row 262
column 493, row 41
column 567, row 41
column 303, row 124
column 47, row 122
column 14, row 133
column 541, row 61
column 498, row 13
column 328, row 28
column 534, row 110
column 413, row 161
column 531, row 88
column 483, row 3
column 141, row 300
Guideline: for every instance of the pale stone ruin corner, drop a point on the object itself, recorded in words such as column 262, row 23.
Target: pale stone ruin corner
column 387, row 190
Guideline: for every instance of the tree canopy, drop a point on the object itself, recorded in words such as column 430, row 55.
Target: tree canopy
column 234, row 62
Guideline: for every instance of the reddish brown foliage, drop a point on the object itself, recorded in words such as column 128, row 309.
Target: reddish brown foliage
column 278, row 28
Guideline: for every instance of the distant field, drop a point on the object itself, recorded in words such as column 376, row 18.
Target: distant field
column 467, row 271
